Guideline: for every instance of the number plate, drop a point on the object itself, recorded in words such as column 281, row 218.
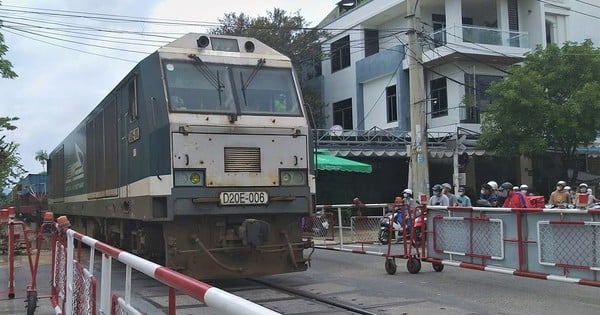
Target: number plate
column 229, row 198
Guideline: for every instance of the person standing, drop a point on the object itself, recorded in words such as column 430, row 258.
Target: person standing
column 462, row 199
column 438, row 198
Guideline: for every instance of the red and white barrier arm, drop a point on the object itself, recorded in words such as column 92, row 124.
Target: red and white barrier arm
column 223, row 301
column 524, row 210
column 511, row 271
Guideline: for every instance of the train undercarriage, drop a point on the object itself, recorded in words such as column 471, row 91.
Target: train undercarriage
column 208, row 247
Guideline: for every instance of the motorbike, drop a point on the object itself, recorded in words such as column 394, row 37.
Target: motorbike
column 397, row 228
column 320, row 224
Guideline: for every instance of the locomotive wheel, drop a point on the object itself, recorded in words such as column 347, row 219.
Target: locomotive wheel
column 390, row 266
column 413, row 265
column 438, row 267
column 382, row 236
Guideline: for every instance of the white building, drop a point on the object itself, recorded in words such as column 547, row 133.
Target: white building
column 467, row 44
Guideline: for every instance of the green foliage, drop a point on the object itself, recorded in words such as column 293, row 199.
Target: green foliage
column 315, row 103
column 5, row 65
column 10, row 167
column 551, row 101
column 290, row 35
column 42, row 157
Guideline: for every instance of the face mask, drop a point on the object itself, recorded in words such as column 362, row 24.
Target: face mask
column 559, row 188
column 482, row 192
column 461, row 193
column 405, row 195
column 583, row 190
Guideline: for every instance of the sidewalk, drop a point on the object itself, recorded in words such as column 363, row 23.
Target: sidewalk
column 22, row 280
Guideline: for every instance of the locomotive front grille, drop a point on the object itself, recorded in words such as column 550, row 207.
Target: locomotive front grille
column 242, row 160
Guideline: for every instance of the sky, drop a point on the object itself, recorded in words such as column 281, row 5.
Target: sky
column 57, row 87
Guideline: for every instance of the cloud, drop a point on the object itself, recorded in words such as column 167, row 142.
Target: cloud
column 58, row 87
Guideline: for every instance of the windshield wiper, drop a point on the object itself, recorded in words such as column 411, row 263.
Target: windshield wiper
column 213, row 79
column 261, row 62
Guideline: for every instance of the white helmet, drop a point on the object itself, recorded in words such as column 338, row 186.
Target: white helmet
column 583, row 185
column 493, row 184
column 407, row 191
column 524, row 187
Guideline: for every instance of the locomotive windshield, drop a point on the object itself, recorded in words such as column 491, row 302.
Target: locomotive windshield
column 196, row 86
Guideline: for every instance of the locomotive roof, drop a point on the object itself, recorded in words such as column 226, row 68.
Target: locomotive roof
column 222, row 43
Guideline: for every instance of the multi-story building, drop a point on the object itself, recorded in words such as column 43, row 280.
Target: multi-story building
column 466, row 45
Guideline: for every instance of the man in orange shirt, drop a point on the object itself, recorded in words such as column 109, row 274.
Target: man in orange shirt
column 560, row 197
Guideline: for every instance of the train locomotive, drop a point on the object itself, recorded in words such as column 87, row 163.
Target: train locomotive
column 199, row 159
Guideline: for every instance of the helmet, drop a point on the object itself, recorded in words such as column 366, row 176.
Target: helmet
column 561, row 183
column 436, row 187
column 567, row 187
column 516, row 188
column 407, row 191
column 493, row 184
column 446, row 185
column 524, row 187
column 506, row 186
column 583, row 185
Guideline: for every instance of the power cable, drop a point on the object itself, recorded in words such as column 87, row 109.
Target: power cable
column 69, row 48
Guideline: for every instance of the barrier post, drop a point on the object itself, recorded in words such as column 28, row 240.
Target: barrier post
column 172, row 306
column 69, row 285
column 106, row 283
column 11, row 259
column 340, row 227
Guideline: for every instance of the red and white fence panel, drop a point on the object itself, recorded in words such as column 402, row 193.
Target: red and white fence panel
column 553, row 244
column 74, row 286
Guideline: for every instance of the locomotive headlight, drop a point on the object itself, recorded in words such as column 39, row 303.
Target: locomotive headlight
column 292, row 177
column 189, row 178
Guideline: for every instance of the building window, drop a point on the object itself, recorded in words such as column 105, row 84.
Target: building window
column 340, row 54
column 476, row 99
column 342, row 114
column 132, row 99
column 391, row 103
column 439, row 98
column 371, row 42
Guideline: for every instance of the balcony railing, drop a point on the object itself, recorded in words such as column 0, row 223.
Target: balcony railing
column 480, row 35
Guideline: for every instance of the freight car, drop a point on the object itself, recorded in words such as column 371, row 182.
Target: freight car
column 200, row 158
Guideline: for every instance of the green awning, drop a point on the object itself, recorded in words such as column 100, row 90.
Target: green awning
column 327, row 162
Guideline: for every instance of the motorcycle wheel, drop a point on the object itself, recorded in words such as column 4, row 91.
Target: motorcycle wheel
column 438, row 267
column 413, row 265
column 382, row 236
column 390, row 266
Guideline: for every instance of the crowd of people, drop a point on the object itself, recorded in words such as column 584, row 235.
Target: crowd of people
column 507, row 195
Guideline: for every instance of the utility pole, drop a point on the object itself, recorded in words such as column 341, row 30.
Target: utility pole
column 419, row 167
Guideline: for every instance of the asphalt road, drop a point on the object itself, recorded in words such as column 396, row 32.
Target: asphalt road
column 362, row 279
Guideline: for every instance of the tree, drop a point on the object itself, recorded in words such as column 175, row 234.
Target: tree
column 5, row 65
column 10, row 167
column 42, row 157
column 288, row 34
column 550, row 102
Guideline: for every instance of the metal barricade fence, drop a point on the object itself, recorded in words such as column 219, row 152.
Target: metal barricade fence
column 349, row 223
column 553, row 244
column 74, row 286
